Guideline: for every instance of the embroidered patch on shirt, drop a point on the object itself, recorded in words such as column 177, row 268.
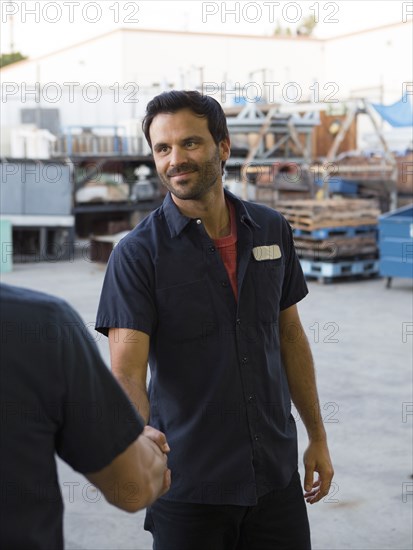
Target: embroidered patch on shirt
column 270, row 252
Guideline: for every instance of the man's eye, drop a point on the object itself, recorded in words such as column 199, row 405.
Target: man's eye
column 190, row 144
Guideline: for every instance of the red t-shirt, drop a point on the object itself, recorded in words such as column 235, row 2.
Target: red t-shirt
column 227, row 247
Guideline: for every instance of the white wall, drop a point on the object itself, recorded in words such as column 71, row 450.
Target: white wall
column 142, row 58
column 374, row 58
column 75, row 80
column 150, row 57
column 94, row 60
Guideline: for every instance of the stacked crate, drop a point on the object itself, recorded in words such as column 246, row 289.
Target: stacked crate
column 334, row 238
column 375, row 177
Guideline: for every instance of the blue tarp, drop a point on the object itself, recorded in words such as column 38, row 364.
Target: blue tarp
column 398, row 114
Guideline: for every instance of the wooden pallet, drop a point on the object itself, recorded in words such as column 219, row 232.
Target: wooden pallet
column 319, row 249
column 313, row 206
column 326, row 272
column 314, row 214
column 335, row 232
column 300, row 222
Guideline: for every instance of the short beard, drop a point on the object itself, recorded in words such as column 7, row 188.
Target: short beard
column 208, row 174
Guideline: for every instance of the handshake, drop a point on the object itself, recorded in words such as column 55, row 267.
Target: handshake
column 155, row 442
column 140, row 474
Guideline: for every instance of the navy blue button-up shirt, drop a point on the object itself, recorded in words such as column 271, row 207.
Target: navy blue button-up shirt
column 218, row 388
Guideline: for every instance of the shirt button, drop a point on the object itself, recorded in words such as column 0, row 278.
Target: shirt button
column 245, row 359
column 238, row 321
column 198, row 221
column 251, row 399
column 224, row 283
column 256, row 437
column 211, row 249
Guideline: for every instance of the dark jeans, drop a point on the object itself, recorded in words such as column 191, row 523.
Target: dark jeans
column 277, row 522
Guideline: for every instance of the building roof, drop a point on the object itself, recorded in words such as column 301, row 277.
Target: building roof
column 191, row 33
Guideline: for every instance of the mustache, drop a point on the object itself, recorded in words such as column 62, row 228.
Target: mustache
column 186, row 167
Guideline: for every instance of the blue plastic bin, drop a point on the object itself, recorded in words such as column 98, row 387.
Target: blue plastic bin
column 396, row 243
column 340, row 185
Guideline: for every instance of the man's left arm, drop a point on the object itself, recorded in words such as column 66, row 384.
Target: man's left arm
column 299, row 367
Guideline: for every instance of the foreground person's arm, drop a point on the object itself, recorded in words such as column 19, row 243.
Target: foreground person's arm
column 136, row 477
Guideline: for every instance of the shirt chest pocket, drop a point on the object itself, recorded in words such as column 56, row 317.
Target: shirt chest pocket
column 267, row 279
column 184, row 311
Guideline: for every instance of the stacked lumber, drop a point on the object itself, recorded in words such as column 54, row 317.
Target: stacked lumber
column 334, row 248
column 374, row 167
column 363, row 167
column 316, row 214
column 374, row 176
column 342, row 232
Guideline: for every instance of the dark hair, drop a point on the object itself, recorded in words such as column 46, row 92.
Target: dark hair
column 201, row 105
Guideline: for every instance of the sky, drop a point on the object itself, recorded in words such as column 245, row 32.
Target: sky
column 40, row 27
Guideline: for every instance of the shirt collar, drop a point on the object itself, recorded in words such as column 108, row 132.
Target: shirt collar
column 177, row 222
column 241, row 209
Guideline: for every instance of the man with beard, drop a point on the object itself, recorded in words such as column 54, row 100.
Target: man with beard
column 205, row 289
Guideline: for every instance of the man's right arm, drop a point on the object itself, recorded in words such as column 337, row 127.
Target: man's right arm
column 136, row 477
column 129, row 351
column 121, row 482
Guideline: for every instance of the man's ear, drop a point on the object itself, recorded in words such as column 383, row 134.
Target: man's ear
column 225, row 149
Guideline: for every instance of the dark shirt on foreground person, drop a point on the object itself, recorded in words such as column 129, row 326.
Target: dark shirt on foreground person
column 57, row 396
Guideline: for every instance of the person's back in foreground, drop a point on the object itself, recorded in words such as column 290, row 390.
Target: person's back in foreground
column 58, row 396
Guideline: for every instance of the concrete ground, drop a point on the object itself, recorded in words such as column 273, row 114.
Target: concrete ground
column 362, row 339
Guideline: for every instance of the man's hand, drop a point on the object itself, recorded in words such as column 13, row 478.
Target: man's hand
column 157, row 437
column 142, row 467
column 160, row 444
column 317, row 459
column 153, row 442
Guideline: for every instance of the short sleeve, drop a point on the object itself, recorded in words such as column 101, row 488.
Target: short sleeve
column 294, row 286
column 97, row 422
column 127, row 294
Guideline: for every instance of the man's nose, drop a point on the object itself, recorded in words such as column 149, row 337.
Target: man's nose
column 177, row 156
